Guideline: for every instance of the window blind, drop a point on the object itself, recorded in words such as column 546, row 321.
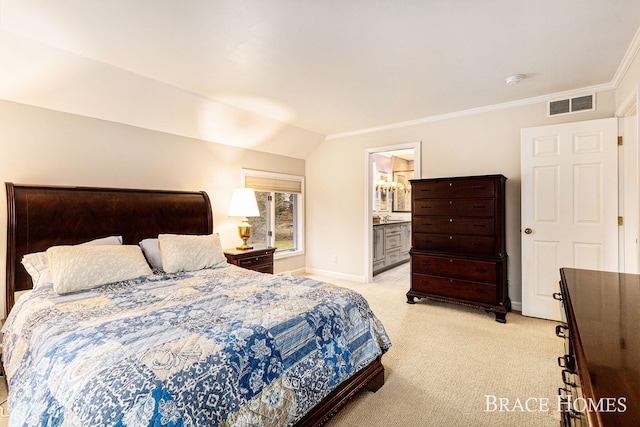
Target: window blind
column 276, row 184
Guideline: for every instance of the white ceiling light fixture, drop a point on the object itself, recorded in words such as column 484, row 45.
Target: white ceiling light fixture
column 515, row 79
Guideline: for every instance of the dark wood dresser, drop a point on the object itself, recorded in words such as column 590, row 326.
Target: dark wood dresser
column 257, row 259
column 458, row 242
column 601, row 365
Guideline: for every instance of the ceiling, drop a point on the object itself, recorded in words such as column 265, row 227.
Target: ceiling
column 339, row 66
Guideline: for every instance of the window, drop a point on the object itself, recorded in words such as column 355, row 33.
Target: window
column 280, row 201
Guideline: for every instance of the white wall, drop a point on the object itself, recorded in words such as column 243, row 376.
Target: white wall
column 487, row 143
column 41, row 146
column 37, row 74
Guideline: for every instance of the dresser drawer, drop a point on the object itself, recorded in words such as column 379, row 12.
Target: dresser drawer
column 453, row 188
column 454, row 225
column 478, row 271
column 453, row 243
column 456, row 207
column 454, row 288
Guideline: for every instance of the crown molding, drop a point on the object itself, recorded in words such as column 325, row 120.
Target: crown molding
column 474, row 111
column 627, row 59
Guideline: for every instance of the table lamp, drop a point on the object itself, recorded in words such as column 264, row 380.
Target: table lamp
column 243, row 203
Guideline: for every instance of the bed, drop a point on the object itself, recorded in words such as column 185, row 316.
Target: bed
column 216, row 346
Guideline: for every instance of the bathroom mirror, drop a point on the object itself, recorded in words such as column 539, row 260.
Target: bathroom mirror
column 391, row 187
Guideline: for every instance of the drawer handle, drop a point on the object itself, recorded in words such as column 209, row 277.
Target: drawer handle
column 564, row 396
column 427, row 263
column 481, row 291
column 564, row 393
column 566, row 362
column 560, row 331
column 557, row 296
column 562, row 361
column 566, row 380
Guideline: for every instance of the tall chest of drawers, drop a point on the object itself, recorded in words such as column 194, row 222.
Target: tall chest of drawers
column 458, row 242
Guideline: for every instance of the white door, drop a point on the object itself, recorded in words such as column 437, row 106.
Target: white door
column 569, row 207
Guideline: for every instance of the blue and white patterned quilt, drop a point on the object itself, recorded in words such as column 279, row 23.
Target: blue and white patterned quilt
column 224, row 346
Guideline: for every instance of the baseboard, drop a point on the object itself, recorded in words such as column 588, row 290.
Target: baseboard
column 335, row 275
column 291, row 272
column 516, row 305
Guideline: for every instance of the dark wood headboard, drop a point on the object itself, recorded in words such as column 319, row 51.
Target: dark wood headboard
column 43, row 216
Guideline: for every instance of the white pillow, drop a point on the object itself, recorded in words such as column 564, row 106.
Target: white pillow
column 181, row 252
column 75, row 268
column 151, row 251
column 37, row 263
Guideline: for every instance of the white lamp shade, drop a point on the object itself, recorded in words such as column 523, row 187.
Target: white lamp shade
column 243, row 203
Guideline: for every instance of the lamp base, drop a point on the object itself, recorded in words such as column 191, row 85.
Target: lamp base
column 244, row 231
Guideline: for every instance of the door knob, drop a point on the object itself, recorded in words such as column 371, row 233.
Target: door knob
column 528, row 230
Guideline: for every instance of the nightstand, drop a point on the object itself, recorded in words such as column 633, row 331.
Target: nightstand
column 260, row 258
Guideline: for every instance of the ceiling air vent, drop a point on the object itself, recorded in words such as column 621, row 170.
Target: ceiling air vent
column 572, row 105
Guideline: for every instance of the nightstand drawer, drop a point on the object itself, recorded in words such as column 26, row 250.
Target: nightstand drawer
column 262, row 268
column 257, row 259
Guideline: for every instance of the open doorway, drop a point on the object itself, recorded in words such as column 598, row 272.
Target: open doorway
column 388, row 200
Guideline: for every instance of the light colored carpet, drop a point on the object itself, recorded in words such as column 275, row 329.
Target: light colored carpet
column 4, row 414
column 445, row 359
